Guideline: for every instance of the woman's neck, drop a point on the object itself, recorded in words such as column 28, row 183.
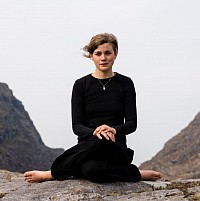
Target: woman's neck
column 103, row 75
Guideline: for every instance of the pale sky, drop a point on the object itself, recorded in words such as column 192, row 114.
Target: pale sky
column 159, row 48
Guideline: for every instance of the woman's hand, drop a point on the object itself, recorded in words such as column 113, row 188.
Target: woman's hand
column 105, row 131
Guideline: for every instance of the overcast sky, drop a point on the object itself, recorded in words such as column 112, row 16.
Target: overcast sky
column 159, row 48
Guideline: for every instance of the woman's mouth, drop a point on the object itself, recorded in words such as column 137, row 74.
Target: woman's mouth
column 104, row 64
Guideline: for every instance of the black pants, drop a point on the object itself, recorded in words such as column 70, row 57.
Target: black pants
column 96, row 160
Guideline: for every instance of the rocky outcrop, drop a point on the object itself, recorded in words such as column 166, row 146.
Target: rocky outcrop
column 180, row 157
column 13, row 187
column 21, row 147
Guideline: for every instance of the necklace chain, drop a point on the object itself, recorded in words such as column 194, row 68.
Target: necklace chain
column 104, row 85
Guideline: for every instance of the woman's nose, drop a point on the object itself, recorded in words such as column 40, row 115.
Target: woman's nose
column 103, row 57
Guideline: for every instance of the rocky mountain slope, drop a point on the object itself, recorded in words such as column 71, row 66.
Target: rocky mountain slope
column 180, row 157
column 21, row 147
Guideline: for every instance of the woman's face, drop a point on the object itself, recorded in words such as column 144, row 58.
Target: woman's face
column 104, row 57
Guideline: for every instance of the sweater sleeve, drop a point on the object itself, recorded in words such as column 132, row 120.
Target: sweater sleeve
column 78, row 111
column 130, row 120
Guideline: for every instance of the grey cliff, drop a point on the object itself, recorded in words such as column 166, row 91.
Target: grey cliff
column 21, row 147
column 180, row 156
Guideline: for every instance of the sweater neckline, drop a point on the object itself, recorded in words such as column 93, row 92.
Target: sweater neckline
column 115, row 73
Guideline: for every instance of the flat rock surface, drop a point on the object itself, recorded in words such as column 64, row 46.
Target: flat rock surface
column 13, row 187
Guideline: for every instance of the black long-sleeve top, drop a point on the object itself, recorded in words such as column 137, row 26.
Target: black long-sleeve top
column 92, row 106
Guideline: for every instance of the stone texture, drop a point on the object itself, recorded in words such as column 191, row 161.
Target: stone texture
column 13, row 187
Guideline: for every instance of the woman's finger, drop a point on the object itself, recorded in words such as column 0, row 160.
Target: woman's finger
column 105, row 135
column 96, row 131
column 111, row 136
column 99, row 136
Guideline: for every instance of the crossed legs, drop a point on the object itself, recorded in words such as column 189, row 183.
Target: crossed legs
column 83, row 153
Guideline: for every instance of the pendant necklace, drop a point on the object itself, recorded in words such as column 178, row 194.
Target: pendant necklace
column 104, row 85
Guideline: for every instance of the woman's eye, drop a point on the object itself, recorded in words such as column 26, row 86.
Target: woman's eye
column 98, row 54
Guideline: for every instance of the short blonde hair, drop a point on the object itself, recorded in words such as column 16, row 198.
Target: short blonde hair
column 100, row 39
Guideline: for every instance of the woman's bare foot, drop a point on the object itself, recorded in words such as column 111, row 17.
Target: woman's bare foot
column 150, row 175
column 38, row 176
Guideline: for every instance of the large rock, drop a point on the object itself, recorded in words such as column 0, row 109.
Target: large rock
column 180, row 157
column 21, row 147
column 13, row 187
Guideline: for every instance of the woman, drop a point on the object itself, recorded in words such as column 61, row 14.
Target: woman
column 103, row 113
